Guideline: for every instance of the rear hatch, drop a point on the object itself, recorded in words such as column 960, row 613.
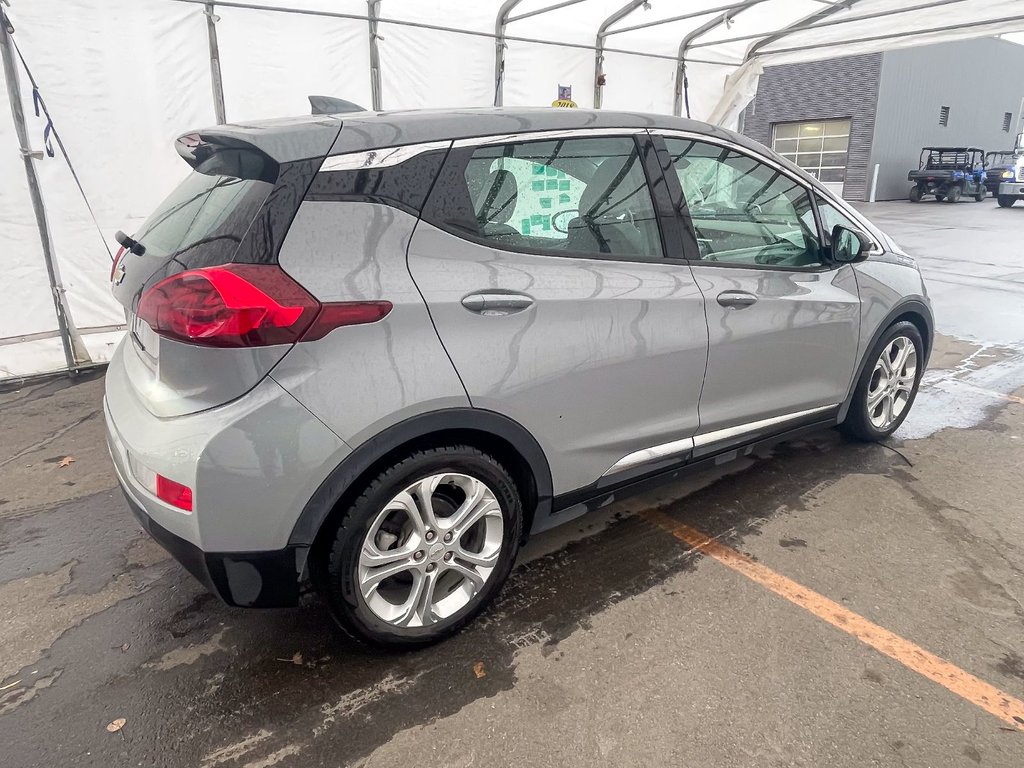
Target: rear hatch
column 208, row 309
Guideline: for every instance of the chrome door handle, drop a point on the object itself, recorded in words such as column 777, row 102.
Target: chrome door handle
column 494, row 303
column 737, row 299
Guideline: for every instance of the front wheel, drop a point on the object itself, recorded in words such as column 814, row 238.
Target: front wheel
column 424, row 549
column 981, row 194
column 887, row 385
column 953, row 195
column 1006, row 201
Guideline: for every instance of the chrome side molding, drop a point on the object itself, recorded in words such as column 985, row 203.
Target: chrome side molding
column 379, row 158
column 706, row 439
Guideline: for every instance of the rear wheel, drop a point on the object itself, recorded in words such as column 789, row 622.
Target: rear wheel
column 887, row 385
column 424, row 549
column 1006, row 201
column 953, row 195
column 915, row 194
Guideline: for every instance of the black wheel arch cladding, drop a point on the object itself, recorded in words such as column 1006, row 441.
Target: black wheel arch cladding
column 915, row 311
column 501, row 437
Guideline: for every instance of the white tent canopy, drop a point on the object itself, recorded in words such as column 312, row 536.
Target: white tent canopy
column 122, row 78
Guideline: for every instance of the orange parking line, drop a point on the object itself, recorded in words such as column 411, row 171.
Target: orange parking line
column 963, row 684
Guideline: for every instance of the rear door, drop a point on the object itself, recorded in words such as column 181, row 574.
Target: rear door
column 783, row 322
column 554, row 289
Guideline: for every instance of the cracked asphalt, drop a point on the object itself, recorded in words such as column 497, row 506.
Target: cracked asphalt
column 614, row 644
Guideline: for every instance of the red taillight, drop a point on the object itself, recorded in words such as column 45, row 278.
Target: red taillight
column 237, row 305
column 116, row 261
column 246, row 305
column 173, row 493
column 338, row 313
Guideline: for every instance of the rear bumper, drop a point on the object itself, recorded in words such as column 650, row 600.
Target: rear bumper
column 244, row 579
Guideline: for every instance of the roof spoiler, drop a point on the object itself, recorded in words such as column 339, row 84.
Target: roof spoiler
column 227, row 155
column 330, row 105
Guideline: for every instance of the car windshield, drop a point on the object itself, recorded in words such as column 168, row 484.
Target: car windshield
column 216, row 202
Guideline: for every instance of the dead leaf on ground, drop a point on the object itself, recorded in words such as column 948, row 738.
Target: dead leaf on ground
column 67, row 461
column 295, row 659
column 479, row 671
column 117, row 725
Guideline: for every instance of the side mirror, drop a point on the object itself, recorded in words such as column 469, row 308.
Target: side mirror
column 849, row 245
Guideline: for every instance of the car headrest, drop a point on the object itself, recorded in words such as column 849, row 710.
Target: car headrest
column 595, row 198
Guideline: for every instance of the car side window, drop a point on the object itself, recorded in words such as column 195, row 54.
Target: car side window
column 831, row 215
column 583, row 196
column 744, row 212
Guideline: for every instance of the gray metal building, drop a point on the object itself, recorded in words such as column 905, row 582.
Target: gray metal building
column 839, row 118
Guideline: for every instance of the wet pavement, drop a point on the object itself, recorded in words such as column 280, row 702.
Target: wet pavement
column 614, row 644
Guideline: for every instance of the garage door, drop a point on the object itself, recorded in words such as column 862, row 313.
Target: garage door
column 817, row 146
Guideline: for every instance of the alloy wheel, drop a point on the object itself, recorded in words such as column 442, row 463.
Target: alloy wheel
column 430, row 550
column 892, row 383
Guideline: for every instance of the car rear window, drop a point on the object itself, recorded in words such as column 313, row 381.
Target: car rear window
column 217, row 202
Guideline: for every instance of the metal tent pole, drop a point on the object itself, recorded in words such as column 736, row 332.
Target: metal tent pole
column 602, row 33
column 68, row 335
column 215, row 77
column 373, row 7
column 500, row 24
column 682, row 85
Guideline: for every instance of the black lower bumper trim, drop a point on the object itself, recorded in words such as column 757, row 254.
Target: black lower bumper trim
column 245, row 579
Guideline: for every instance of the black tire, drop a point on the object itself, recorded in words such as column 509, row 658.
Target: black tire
column 857, row 423
column 1006, row 201
column 953, row 195
column 915, row 194
column 981, row 194
column 336, row 577
column 939, row 196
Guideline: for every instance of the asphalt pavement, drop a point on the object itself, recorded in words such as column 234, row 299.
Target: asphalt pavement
column 829, row 604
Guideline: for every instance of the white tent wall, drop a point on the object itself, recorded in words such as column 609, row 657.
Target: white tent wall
column 533, row 72
column 623, row 71
column 272, row 61
column 120, row 78
column 123, row 78
column 426, row 68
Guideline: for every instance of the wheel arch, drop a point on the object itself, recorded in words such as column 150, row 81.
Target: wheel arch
column 501, row 437
column 914, row 311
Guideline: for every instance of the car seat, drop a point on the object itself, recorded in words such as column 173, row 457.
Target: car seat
column 604, row 224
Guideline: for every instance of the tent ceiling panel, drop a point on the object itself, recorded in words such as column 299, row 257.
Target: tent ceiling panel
column 272, row 61
column 133, row 74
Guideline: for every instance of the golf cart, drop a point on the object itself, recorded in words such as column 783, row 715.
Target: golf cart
column 1011, row 180
column 948, row 173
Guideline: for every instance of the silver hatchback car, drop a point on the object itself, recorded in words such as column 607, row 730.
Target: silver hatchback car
column 378, row 350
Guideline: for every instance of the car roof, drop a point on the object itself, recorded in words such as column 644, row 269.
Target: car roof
column 296, row 138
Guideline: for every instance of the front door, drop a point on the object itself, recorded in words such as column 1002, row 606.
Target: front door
column 783, row 324
column 542, row 263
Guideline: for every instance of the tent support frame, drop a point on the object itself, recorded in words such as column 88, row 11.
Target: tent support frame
column 500, row 24
column 216, row 79
column 602, row 33
column 373, row 16
column 681, row 95
column 75, row 354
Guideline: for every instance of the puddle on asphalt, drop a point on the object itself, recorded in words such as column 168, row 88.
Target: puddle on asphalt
column 965, row 381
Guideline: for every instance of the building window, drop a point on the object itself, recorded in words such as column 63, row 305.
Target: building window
column 819, row 147
column 1007, row 119
column 943, row 116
